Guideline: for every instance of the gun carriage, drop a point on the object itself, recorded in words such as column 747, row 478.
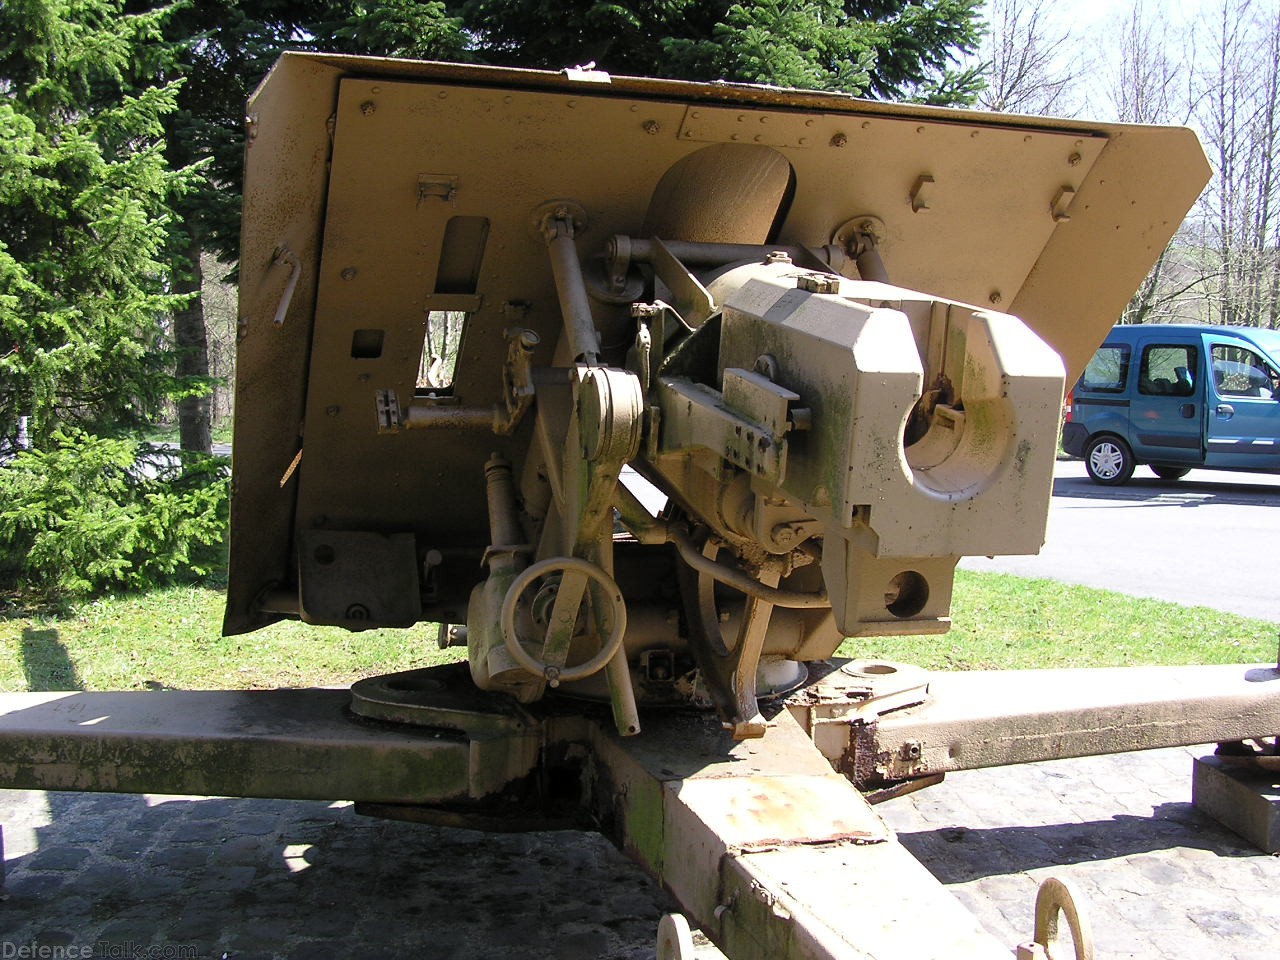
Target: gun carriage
column 652, row 394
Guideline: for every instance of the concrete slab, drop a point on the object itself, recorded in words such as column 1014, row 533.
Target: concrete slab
column 1243, row 799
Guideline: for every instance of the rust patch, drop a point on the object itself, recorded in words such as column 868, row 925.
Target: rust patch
column 858, row 762
column 857, row 838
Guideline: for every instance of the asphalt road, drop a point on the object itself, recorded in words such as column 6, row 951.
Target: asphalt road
column 1210, row 539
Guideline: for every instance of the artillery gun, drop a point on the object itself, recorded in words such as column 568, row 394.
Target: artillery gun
column 652, row 394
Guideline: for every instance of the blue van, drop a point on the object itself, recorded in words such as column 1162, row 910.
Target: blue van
column 1176, row 397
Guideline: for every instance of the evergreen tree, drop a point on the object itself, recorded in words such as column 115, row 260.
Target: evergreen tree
column 84, row 185
column 85, row 302
column 884, row 48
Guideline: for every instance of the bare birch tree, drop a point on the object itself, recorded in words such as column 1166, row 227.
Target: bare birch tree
column 1240, row 121
column 1146, row 80
column 1031, row 66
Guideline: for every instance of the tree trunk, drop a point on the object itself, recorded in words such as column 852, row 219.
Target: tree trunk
column 195, row 429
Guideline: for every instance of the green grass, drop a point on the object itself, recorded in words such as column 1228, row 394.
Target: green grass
column 1006, row 622
column 171, row 638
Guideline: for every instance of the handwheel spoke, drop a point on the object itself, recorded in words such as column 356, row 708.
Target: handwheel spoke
column 563, row 621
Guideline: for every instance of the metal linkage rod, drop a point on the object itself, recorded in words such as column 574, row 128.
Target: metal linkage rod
column 558, row 229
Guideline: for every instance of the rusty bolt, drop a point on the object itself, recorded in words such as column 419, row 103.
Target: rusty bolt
column 911, row 750
column 348, row 273
column 368, row 107
column 839, row 140
column 783, row 534
column 333, row 411
column 996, row 296
column 1073, row 160
column 651, row 127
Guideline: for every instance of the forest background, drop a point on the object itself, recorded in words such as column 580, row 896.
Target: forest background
column 121, row 145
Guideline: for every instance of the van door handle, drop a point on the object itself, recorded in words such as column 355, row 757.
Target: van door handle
column 1226, row 411
column 1188, row 411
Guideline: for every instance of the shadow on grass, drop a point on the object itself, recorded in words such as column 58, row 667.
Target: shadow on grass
column 46, row 663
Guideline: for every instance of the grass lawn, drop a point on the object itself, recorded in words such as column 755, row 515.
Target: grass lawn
column 171, row 638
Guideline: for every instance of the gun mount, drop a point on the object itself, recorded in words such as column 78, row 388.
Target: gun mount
column 779, row 308
column 477, row 304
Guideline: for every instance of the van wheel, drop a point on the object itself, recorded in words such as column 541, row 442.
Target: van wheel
column 1170, row 473
column 1109, row 461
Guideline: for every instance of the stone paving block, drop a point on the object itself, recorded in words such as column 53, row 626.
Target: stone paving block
column 59, row 858
column 181, row 857
column 128, row 846
column 124, row 935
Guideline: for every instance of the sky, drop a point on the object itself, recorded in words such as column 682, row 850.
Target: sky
column 1092, row 49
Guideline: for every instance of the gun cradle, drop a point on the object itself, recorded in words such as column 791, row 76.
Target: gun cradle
column 550, row 283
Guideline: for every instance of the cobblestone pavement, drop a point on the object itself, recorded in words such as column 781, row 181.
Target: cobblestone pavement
column 111, row 876
column 1162, row 879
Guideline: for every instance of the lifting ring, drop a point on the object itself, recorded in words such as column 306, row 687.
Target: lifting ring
column 675, row 939
column 507, row 619
column 1057, row 898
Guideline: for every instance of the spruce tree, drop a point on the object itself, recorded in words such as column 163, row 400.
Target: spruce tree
column 888, row 49
column 85, row 296
column 86, row 300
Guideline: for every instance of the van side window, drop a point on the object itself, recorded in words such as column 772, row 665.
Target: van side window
column 1239, row 372
column 1168, row 370
column 1108, row 370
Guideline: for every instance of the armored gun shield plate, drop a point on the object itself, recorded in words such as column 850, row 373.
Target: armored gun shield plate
column 388, row 201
